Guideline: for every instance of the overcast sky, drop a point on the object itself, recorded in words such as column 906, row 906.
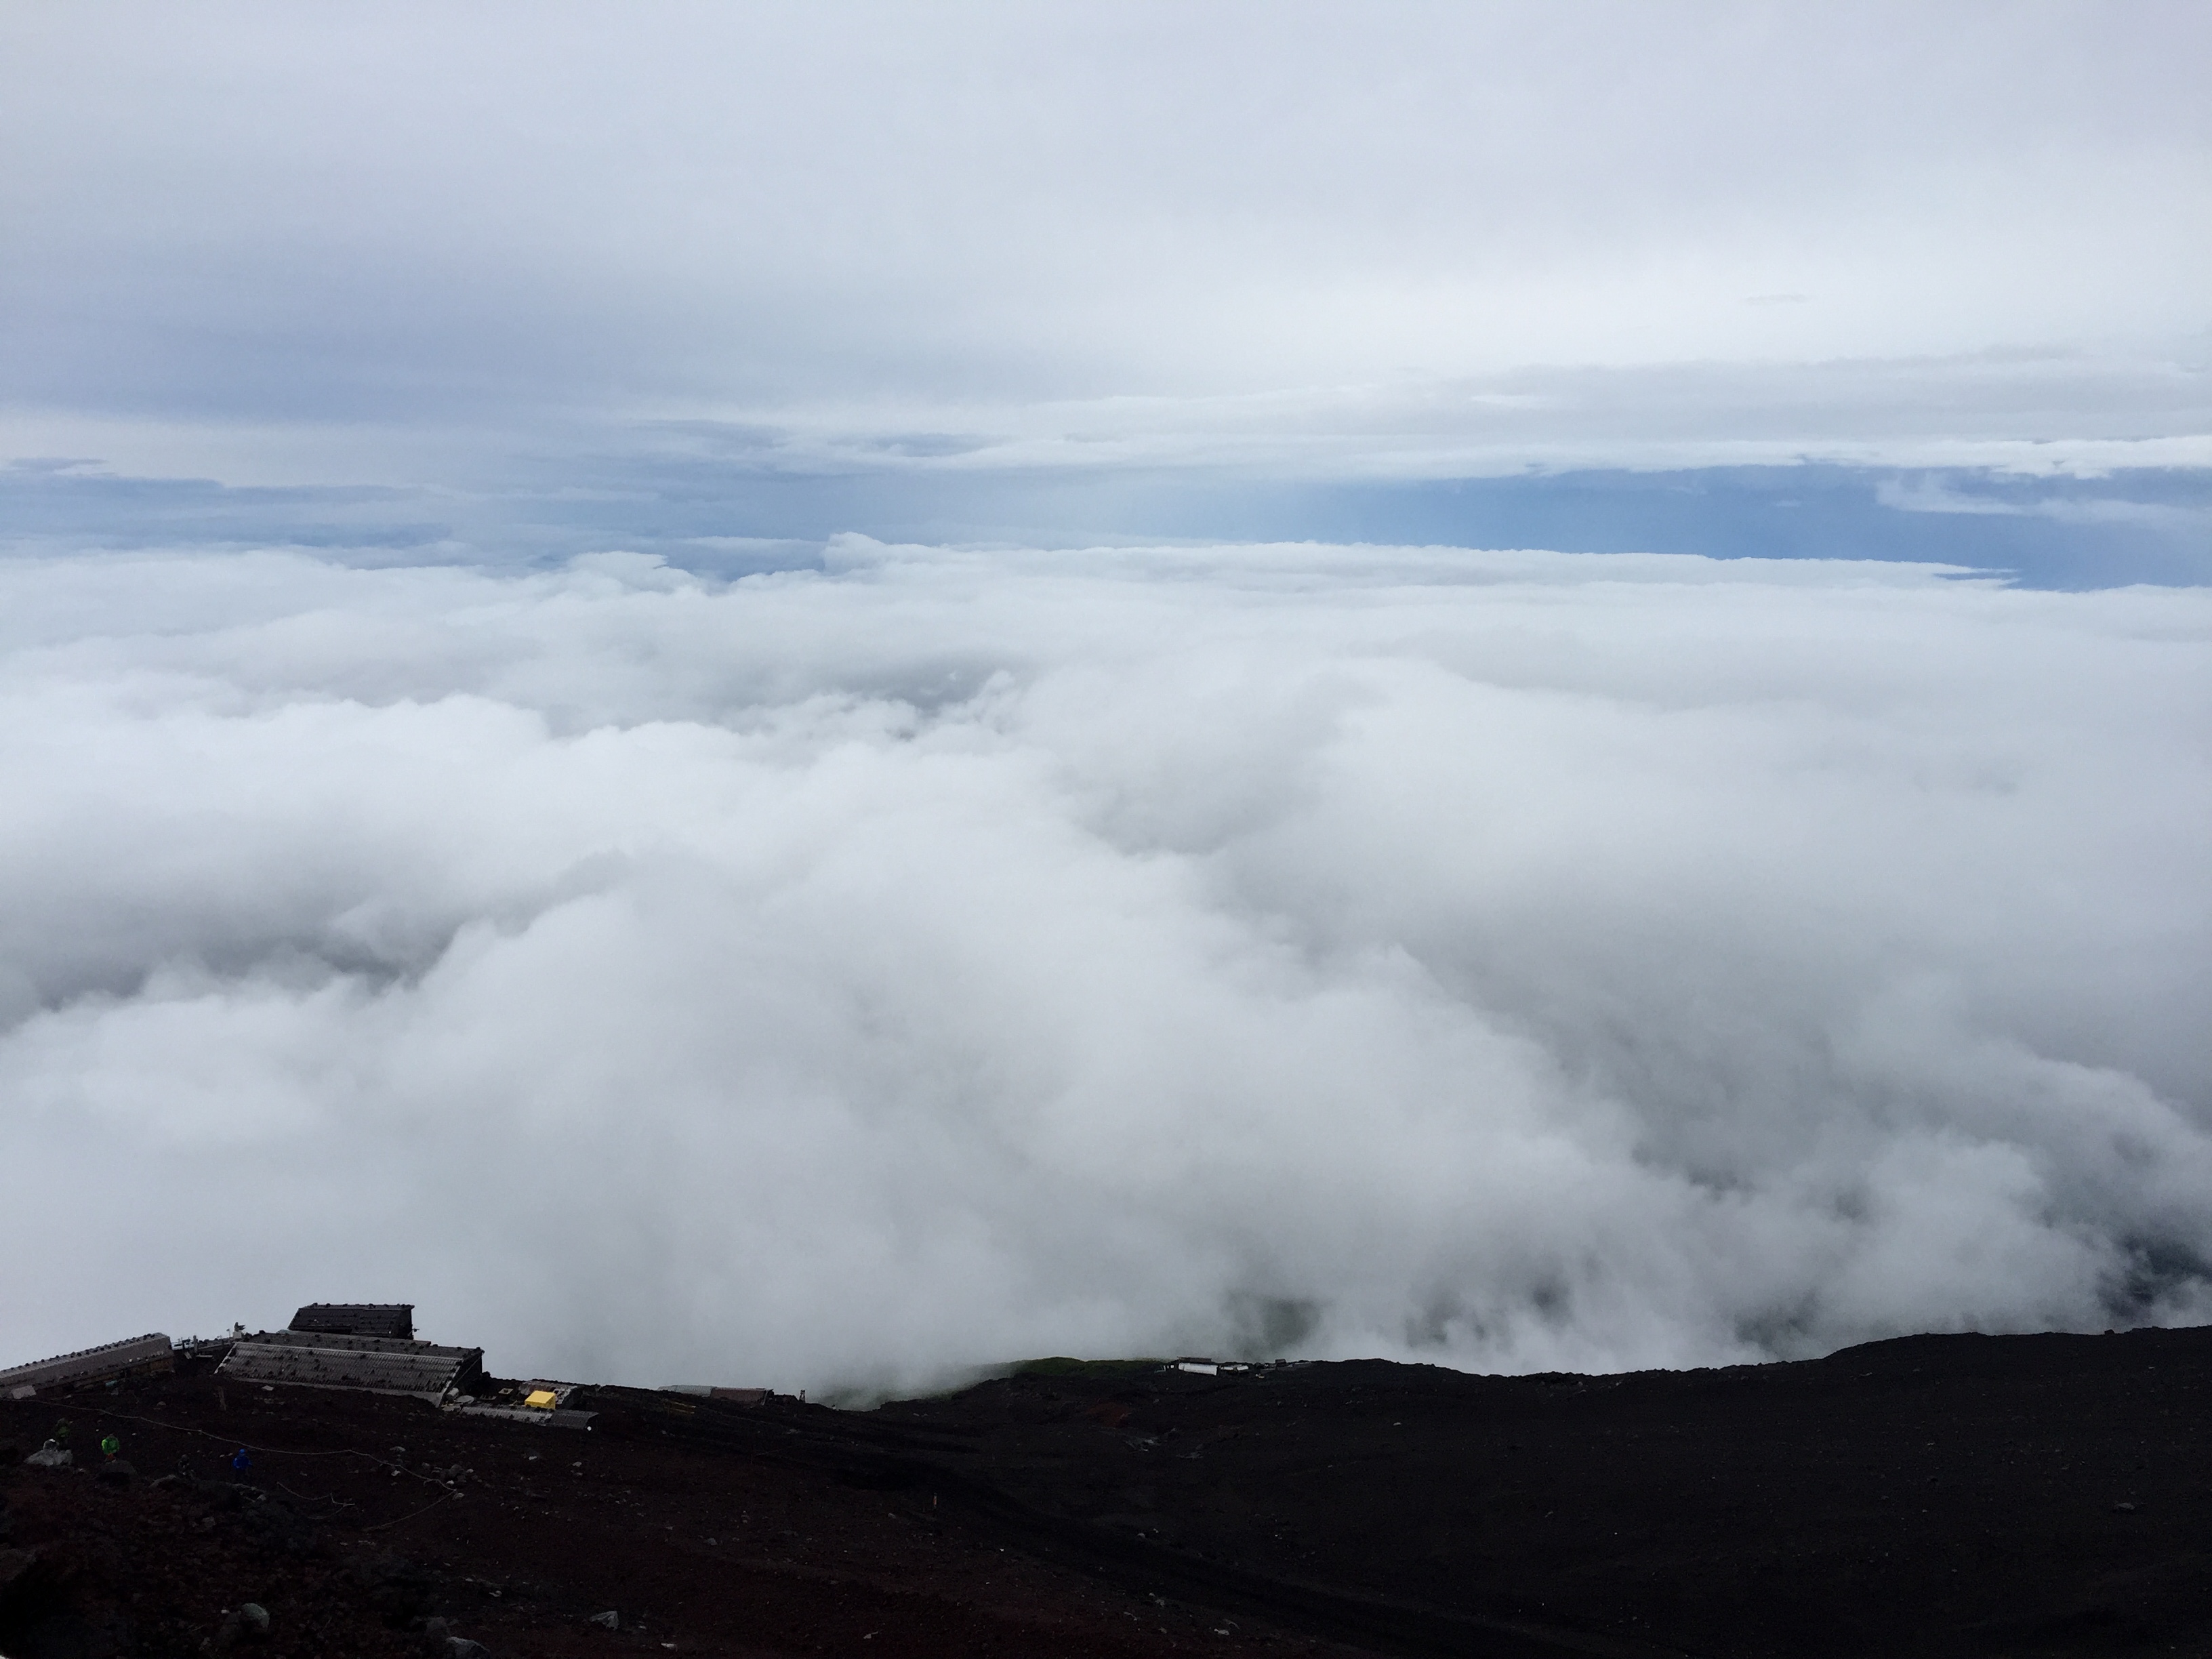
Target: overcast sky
column 426, row 245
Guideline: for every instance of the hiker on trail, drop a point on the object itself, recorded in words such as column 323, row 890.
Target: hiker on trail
column 109, row 1445
column 240, row 1461
column 49, row 1456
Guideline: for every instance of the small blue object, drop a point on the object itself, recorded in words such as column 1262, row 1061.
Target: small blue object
column 241, row 1461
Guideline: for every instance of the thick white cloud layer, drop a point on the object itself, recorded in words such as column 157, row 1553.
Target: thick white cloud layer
column 1514, row 960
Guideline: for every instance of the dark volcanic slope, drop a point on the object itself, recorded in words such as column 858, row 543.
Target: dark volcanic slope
column 1936, row 1495
column 1955, row 1495
column 707, row 1528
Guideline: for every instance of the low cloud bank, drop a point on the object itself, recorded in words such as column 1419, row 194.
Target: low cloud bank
column 1508, row 960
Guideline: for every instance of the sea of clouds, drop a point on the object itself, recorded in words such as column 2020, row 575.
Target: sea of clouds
column 841, row 977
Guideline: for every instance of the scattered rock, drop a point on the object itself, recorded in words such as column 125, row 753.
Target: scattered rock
column 117, row 1470
column 398, row 1590
column 248, row 1622
column 281, row 1525
column 608, row 1620
column 440, row 1639
column 51, row 1456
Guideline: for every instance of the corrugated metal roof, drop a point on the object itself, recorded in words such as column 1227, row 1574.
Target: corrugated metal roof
column 423, row 1369
column 150, row 1353
column 391, row 1319
column 364, row 1343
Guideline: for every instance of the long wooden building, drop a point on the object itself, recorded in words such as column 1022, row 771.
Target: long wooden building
column 378, row 1365
column 136, row 1356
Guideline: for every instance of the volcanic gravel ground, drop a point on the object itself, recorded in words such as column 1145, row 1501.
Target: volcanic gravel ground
column 362, row 1518
column 2018, row 1496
